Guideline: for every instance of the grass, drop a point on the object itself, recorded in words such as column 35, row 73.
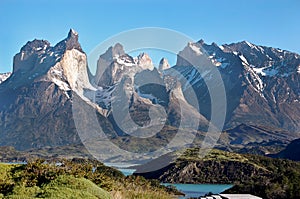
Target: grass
column 71, row 187
column 75, row 179
column 195, row 154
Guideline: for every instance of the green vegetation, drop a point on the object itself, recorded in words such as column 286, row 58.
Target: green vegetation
column 283, row 182
column 262, row 176
column 274, row 178
column 78, row 178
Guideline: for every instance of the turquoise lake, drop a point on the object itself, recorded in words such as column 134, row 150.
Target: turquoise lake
column 190, row 190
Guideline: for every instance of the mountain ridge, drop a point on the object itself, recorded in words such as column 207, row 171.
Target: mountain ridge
column 56, row 74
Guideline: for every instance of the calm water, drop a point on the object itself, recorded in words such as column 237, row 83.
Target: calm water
column 197, row 190
column 123, row 167
column 190, row 190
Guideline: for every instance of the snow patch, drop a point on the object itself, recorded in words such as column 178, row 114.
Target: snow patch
column 124, row 62
column 264, row 71
column 103, row 96
column 42, row 60
column 249, row 44
column 244, row 60
column 62, row 85
column 298, row 70
column 255, row 81
column 195, row 48
column 22, row 56
column 221, row 47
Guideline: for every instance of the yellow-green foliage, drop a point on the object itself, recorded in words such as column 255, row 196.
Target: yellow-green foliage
column 39, row 179
column 22, row 192
column 71, row 187
column 137, row 187
column 194, row 154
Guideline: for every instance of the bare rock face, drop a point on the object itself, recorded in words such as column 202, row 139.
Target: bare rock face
column 37, row 108
column 109, row 68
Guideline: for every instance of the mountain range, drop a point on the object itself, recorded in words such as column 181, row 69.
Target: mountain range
column 261, row 86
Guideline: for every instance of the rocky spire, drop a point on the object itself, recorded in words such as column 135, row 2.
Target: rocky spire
column 163, row 64
column 145, row 62
column 71, row 42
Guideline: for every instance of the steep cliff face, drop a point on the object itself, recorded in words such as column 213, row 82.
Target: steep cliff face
column 132, row 89
column 37, row 108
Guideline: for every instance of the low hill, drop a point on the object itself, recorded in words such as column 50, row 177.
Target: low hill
column 258, row 175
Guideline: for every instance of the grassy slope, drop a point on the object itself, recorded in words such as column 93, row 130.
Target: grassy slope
column 74, row 180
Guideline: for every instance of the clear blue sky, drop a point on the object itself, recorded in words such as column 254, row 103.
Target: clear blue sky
column 267, row 22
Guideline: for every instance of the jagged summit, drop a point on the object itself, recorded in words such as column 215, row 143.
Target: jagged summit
column 261, row 84
column 113, row 52
column 145, row 62
column 72, row 33
column 35, row 45
column 71, row 42
column 163, row 64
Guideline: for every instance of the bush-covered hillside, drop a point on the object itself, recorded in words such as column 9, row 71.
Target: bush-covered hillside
column 74, row 179
column 258, row 175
